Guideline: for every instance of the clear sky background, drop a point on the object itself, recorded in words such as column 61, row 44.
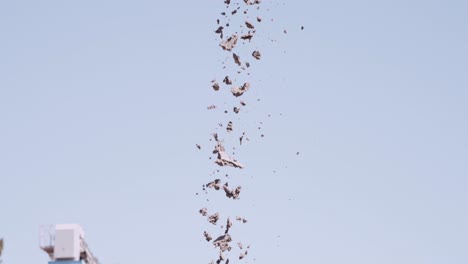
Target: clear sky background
column 102, row 103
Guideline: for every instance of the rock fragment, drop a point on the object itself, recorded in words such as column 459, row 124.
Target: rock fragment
column 259, row 19
column 215, row 86
column 236, row 59
column 227, row 80
column 213, row 219
column 236, row 110
column 207, row 236
column 249, row 2
column 239, row 91
column 241, row 219
column 243, row 103
column 234, row 194
column 219, row 31
column 257, row 55
column 229, row 43
column 248, row 37
column 203, row 211
column 243, row 255
column 222, row 242
column 198, row 146
column 229, row 127
column 239, row 244
column 249, row 25
column 228, row 225
column 216, row 184
column 223, row 158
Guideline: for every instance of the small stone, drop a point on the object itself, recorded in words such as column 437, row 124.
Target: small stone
column 215, row 86
column 227, row 80
column 257, row 55
column 203, row 211
column 236, row 59
column 207, row 236
column 239, row 91
column 229, row 43
column 213, row 219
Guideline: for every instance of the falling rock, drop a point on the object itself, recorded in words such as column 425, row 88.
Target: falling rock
column 207, row 236
column 203, row 211
column 239, row 91
column 215, row 86
column 223, row 158
column 234, row 194
column 236, row 59
column 219, row 31
column 227, row 80
column 228, row 225
column 229, row 127
column 213, row 218
column 216, row 184
column 257, row 55
column 249, row 25
column 223, row 242
column 229, row 43
column 241, row 219
column 248, row 37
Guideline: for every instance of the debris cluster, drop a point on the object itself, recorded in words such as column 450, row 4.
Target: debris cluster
column 238, row 42
column 241, row 219
column 207, row 236
column 239, row 91
column 222, row 242
column 223, row 159
column 203, row 211
column 234, row 193
column 229, row 43
column 213, row 218
column 216, row 184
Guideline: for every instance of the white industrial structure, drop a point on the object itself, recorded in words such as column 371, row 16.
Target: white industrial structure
column 65, row 244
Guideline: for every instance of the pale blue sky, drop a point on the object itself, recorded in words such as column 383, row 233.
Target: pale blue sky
column 102, row 103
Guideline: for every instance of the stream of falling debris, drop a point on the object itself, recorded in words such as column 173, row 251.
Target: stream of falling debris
column 236, row 32
column 235, row 39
